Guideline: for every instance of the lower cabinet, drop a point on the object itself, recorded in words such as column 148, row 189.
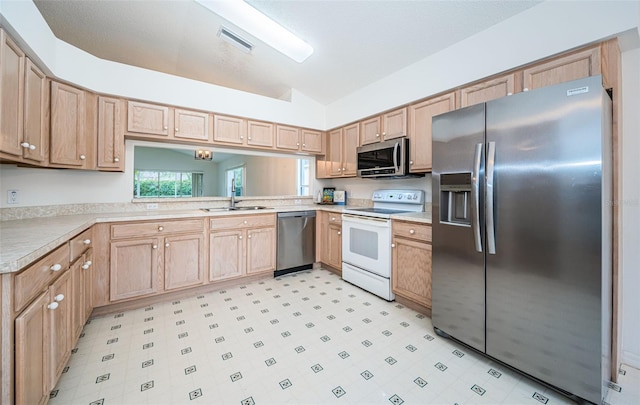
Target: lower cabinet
column 60, row 333
column 173, row 258
column 242, row 245
column 411, row 261
column 330, row 228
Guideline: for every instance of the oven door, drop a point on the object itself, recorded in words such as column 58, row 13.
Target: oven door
column 366, row 243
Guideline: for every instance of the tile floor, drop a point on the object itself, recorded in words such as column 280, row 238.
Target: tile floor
column 304, row 338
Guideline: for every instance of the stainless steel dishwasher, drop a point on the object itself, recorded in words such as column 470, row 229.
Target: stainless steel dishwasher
column 296, row 241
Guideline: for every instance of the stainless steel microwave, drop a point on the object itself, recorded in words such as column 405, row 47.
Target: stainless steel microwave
column 384, row 159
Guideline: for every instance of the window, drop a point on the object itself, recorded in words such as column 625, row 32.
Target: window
column 150, row 183
column 303, row 177
column 236, row 173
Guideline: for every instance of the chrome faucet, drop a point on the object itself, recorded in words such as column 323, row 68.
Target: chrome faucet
column 232, row 203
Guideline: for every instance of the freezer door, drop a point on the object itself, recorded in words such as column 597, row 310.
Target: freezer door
column 544, row 280
column 458, row 280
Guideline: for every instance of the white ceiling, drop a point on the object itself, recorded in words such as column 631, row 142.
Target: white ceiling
column 356, row 42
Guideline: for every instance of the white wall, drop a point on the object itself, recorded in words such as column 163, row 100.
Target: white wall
column 264, row 176
column 630, row 208
column 363, row 188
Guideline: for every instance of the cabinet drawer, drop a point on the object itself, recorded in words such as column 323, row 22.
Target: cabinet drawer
column 79, row 244
column 248, row 221
column 37, row 277
column 334, row 218
column 156, row 228
column 412, row 230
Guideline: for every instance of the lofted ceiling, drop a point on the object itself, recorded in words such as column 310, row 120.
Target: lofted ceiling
column 356, row 42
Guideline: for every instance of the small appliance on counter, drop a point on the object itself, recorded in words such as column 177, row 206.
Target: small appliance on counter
column 331, row 196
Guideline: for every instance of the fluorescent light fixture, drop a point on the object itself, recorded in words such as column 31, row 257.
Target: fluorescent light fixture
column 260, row 26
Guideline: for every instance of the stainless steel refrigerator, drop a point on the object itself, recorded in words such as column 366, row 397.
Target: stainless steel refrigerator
column 522, row 232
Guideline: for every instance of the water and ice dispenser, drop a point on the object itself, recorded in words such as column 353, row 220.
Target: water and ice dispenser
column 455, row 198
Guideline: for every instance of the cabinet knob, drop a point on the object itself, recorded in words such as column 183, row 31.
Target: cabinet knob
column 32, row 147
column 249, row 138
column 525, row 89
column 161, row 228
column 154, row 247
column 297, row 143
column 249, row 236
column 339, row 233
column 56, row 267
column 339, row 169
column 166, row 244
column 240, row 237
column 344, row 169
column 25, row 144
column 86, row 241
column 244, row 222
column 86, row 265
column 165, row 127
column 393, row 245
column 241, row 137
column 411, row 162
column 116, row 159
column 411, row 231
column 58, row 298
column 177, row 129
column 304, row 145
column 53, row 305
column 83, row 157
column 333, row 218
column 377, row 135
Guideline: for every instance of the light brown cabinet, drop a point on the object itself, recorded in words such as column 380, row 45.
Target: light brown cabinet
column 72, row 140
column 297, row 139
column 241, row 245
column 229, row 130
column 411, row 261
column 60, row 331
column 420, row 134
column 110, row 135
column 342, row 155
column 330, row 238
column 260, row 134
column 574, row 66
column 390, row 125
column 312, row 141
column 488, row 90
column 136, row 249
column 163, row 122
column 23, row 106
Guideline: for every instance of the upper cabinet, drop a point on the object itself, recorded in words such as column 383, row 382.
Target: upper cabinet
column 229, row 130
column 420, row 137
column 298, row 139
column 158, row 121
column 387, row 126
column 574, row 66
column 72, row 136
column 341, row 155
column 23, row 106
column 312, row 141
column 260, row 134
column 110, row 135
column 488, row 90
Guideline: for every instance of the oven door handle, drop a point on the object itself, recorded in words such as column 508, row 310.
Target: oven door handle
column 396, row 157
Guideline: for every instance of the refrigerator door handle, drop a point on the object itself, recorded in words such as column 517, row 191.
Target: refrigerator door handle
column 475, row 196
column 491, row 230
column 395, row 157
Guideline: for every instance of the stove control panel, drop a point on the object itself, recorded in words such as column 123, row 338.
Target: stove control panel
column 399, row 196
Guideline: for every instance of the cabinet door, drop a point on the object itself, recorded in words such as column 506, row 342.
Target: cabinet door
column 335, row 245
column 87, row 270
column 487, row 91
column 420, row 130
column 229, row 129
column 394, row 124
column 183, row 261
column 68, row 139
column 335, row 153
column 287, row 137
column 146, row 118
column 411, row 270
column 260, row 134
column 134, row 268
column 191, row 125
column 572, row 67
column 261, row 250
column 36, row 113
column 110, row 135
column 60, row 325
column 349, row 153
column 370, row 131
column 226, row 255
column 11, row 96
column 311, row 141
column 77, row 298
column 32, row 353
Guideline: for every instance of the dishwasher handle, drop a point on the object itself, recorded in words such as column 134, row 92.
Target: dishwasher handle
column 297, row 214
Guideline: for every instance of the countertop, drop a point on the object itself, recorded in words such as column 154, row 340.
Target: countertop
column 26, row 240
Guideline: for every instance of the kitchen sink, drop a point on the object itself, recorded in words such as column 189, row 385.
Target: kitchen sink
column 248, row 208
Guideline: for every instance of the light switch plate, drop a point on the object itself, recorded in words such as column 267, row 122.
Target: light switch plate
column 13, row 196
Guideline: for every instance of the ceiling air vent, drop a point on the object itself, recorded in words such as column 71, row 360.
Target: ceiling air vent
column 235, row 40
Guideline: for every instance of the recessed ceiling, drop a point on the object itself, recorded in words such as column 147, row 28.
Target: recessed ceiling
column 356, row 42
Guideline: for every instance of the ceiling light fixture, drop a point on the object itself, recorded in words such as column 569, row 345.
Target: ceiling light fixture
column 260, row 26
column 203, row 155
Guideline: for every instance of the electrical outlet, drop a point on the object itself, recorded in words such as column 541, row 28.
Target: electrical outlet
column 13, row 196
column 152, row 206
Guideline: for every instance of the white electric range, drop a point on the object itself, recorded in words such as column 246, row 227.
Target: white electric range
column 366, row 239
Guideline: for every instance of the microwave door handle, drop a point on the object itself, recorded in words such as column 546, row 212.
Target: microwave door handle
column 395, row 157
